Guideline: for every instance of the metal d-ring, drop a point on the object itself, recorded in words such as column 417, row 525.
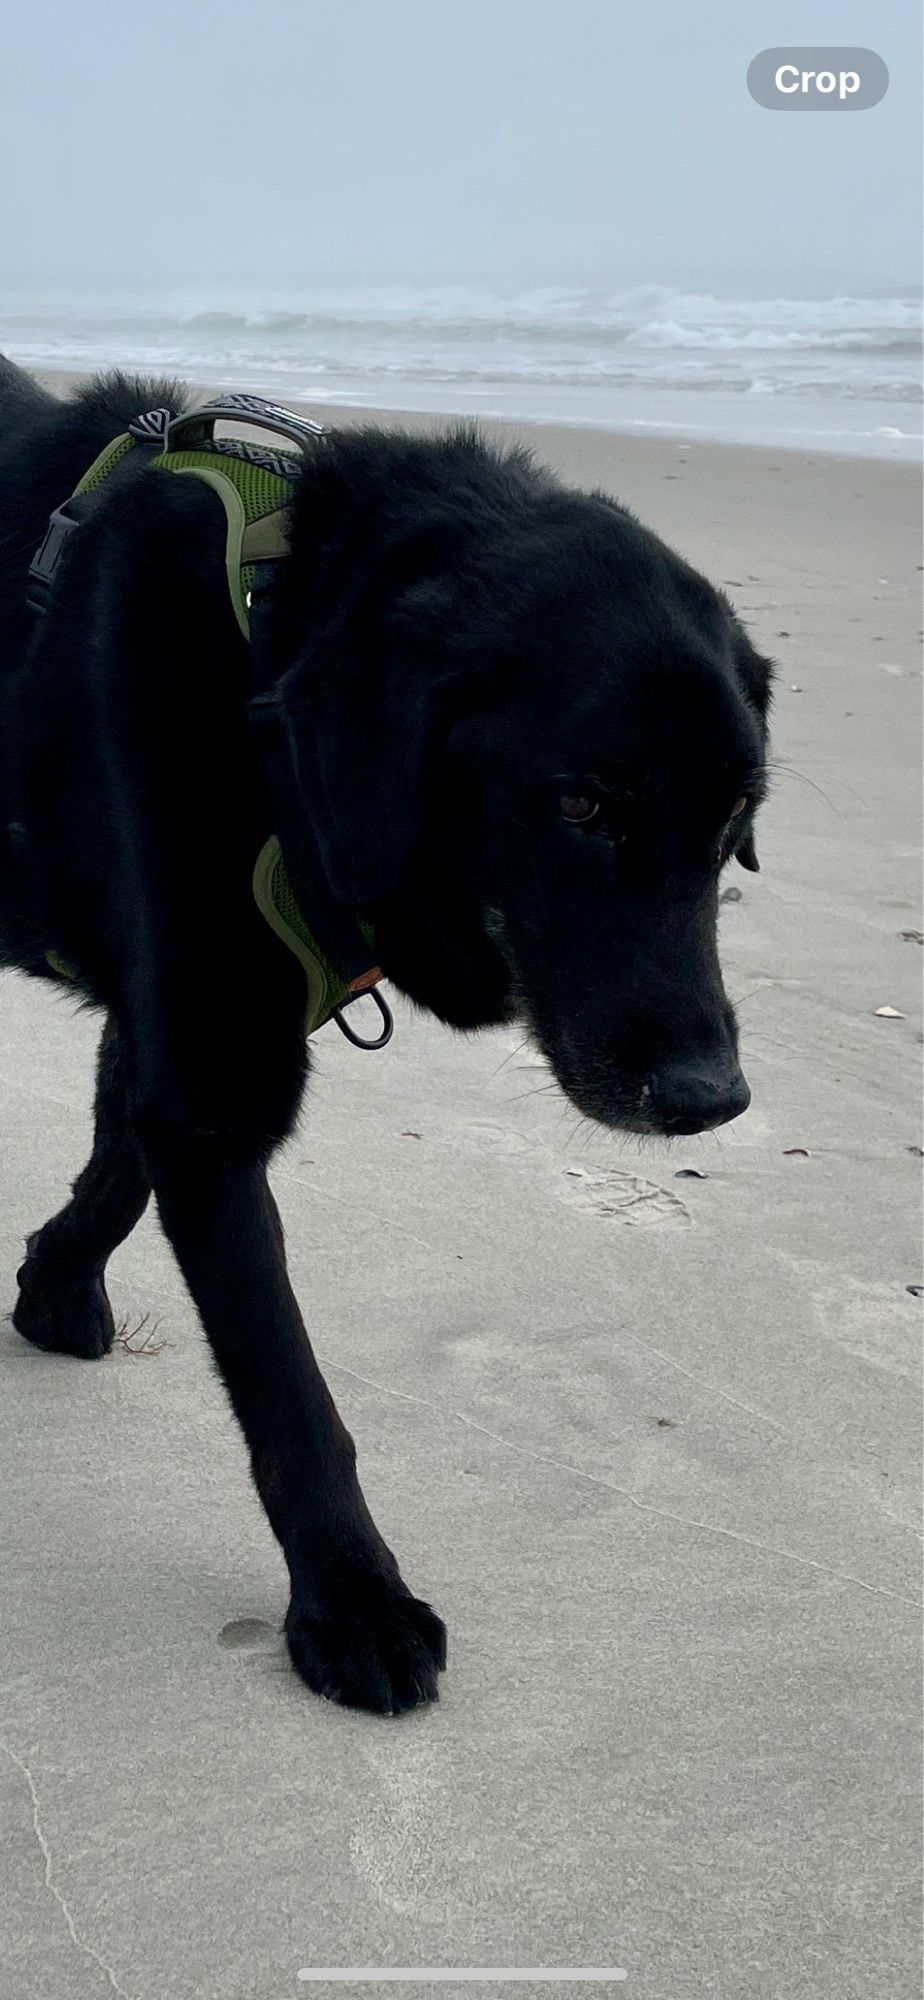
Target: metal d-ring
column 388, row 1026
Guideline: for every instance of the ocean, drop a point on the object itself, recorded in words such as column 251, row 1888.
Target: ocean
column 830, row 374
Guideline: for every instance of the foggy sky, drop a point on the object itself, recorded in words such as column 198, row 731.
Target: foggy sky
column 512, row 141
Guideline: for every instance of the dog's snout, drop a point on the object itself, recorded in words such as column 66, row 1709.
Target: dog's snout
column 694, row 1097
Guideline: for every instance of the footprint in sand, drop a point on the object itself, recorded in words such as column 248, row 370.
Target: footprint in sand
column 480, row 1136
column 241, row 1633
column 622, row 1197
column 398, row 1846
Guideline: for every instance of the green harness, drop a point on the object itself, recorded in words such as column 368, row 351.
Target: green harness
column 254, row 486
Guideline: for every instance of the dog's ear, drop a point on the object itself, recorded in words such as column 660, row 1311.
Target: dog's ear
column 383, row 610
column 755, row 674
column 371, row 700
column 746, row 854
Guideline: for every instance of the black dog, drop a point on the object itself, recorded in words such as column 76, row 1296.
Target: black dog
column 529, row 736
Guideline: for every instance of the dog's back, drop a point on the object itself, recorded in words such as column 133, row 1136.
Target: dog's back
column 20, row 397
column 46, row 444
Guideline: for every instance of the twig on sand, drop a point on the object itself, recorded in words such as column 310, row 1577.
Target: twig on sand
column 126, row 1337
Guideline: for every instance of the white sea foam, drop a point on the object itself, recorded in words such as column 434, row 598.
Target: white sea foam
column 652, row 357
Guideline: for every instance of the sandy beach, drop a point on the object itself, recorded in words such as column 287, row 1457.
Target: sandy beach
column 671, row 1445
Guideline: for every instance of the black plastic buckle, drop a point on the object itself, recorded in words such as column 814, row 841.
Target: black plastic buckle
column 44, row 564
column 388, row 1027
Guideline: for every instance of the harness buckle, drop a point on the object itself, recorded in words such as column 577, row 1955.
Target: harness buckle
column 44, row 564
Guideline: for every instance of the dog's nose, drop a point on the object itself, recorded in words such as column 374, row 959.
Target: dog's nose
column 693, row 1097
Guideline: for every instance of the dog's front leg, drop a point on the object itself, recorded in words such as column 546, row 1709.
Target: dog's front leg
column 354, row 1631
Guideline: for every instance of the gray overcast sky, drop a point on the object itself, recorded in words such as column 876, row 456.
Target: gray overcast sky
column 514, row 141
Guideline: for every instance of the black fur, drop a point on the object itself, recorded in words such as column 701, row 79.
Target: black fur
column 464, row 644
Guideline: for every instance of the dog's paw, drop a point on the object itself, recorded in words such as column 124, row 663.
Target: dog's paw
column 377, row 1647
column 72, row 1319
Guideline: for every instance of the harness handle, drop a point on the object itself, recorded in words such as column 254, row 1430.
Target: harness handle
column 197, row 427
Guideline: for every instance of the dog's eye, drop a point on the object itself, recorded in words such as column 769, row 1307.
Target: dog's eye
column 578, row 808
column 726, row 844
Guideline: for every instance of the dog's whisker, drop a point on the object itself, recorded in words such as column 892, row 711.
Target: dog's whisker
column 779, row 769
column 509, row 1058
column 540, row 1090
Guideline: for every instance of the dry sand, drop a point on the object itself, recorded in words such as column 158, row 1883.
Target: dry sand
column 656, row 1462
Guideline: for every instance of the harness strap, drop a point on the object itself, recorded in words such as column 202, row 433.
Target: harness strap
column 254, row 486
column 44, row 565
column 237, row 525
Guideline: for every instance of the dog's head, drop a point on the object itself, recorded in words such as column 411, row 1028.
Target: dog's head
column 530, row 738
